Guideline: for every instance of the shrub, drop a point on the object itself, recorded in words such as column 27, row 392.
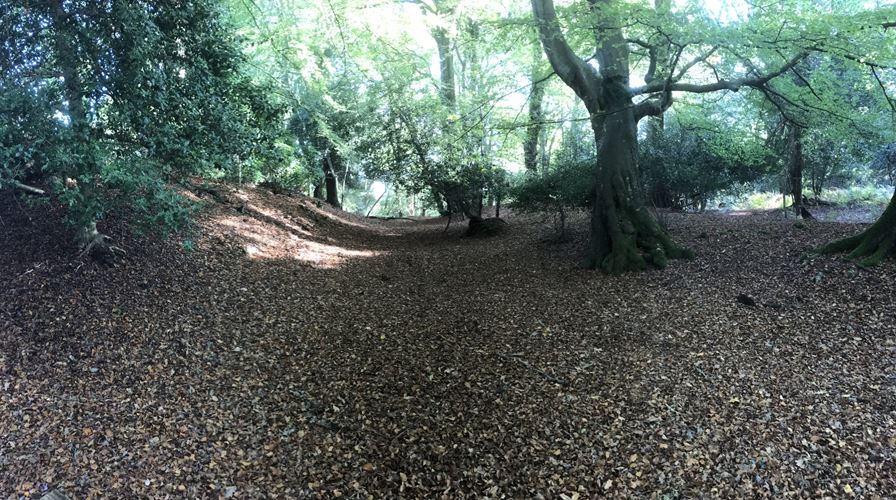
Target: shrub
column 684, row 169
column 569, row 184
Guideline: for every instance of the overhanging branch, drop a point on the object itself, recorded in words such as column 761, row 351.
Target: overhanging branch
column 734, row 85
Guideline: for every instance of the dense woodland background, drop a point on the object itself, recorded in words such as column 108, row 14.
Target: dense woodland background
column 445, row 107
column 313, row 248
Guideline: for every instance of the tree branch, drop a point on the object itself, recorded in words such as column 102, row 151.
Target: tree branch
column 693, row 63
column 883, row 89
column 769, row 96
column 575, row 72
column 27, row 189
column 651, row 68
column 652, row 107
column 734, row 85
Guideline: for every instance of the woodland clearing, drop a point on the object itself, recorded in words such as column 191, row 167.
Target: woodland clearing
column 297, row 350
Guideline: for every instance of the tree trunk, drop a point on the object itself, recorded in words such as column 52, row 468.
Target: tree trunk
column 624, row 234
column 96, row 244
column 534, row 129
column 67, row 57
column 871, row 245
column 544, row 151
column 439, row 202
column 88, row 238
column 446, row 67
column 330, row 181
column 656, row 125
column 795, row 167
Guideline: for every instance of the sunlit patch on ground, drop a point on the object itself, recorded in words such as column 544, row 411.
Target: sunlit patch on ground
column 189, row 195
column 297, row 225
column 263, row 240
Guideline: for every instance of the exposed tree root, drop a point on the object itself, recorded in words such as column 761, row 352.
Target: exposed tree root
column 805, row 214
column 871, row 245
column 214, row 192
column 632, row 241
column 868, row 247
column 97, row 245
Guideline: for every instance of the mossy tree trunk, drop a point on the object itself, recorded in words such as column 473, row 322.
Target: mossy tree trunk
column 624, row 234
column 535, row 129
column 871, row 245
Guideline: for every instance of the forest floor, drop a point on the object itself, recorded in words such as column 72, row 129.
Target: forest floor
column 298, row 351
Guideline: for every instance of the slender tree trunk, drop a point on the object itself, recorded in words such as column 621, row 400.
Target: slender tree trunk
column 67, row 58
column 655, row 127
column 873, row 244
column 544, row 151
column 378, row 200
column 446, row 66
column 342, row 189
column 439, row 202
column 535, row 127
column 87, row 237
column 795, row 167
column 330, row 181
column 480, row 204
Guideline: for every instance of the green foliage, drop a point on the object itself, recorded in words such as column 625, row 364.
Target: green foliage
column 685, row 168
column 114, row 102
column 850, row 196
column 567, row 185
column 858, row 195
column 884, row 163
column 568, row 182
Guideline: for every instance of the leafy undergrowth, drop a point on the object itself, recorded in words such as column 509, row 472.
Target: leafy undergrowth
column 299, row 351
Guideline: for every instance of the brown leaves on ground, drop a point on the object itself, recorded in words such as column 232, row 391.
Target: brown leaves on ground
column 299, row 351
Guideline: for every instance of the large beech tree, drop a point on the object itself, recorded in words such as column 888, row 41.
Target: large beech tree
column 624, row 234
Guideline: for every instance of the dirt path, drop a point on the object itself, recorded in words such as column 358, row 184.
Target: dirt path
column 294, row 354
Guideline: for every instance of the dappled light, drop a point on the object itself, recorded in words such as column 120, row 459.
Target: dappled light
column 447, row 249
column 261, row 240
column 299, row 226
